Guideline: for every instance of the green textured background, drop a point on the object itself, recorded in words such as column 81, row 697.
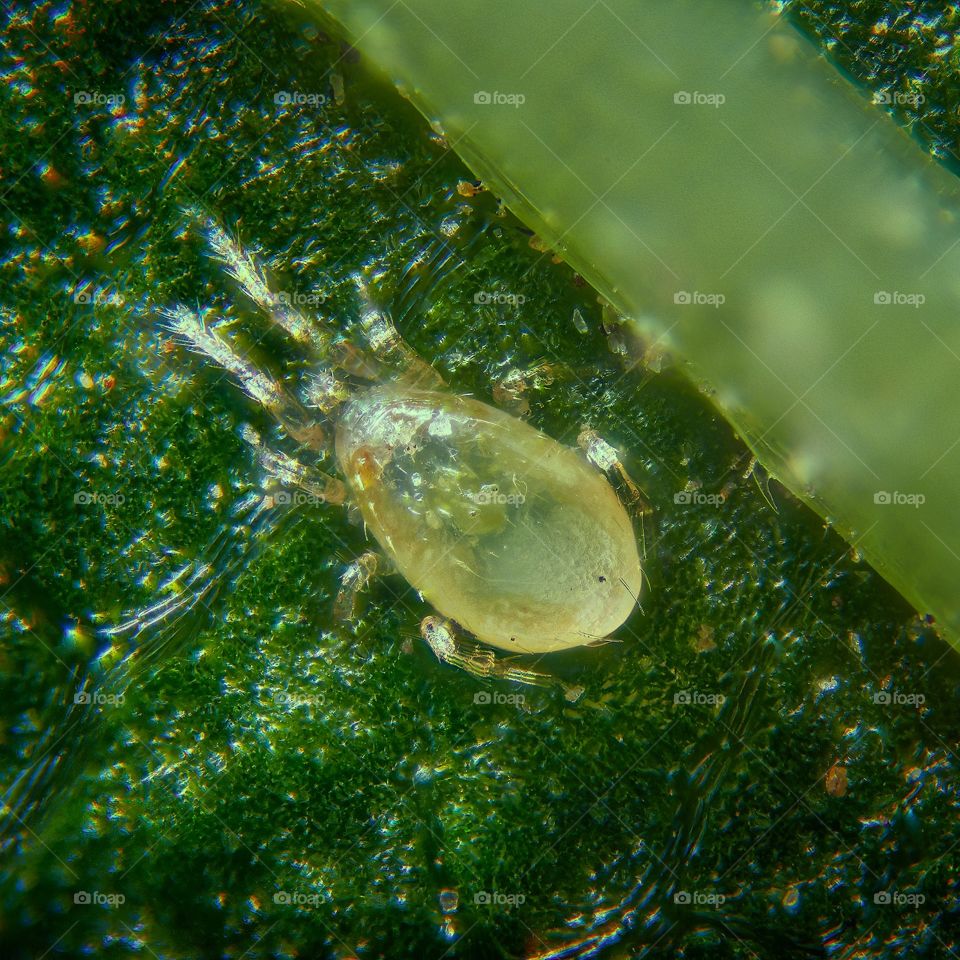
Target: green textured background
column 262, row 748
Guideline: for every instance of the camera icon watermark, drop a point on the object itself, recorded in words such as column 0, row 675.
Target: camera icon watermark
column 898, row 498
column 493, row 898
column 697, row 499
column 888, row 98
column 95, row 698
column 486, row 697
column 894, row 698
column 297, row 98
column 497, row 98
column 296, row 899
column 699, row 899
column 95, row 898
column 492, row 297
column 895, row 898
column 295, row 298
column 292, row 498
column 697, row 98
column 697, row 298
column 897, row 298
column 97, row 298
column 489, row 495
column 685, row 698
column 83, row 498
column 95, row 98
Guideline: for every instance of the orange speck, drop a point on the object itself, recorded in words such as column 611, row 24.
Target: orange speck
column 704, row 641
column 91, row 243
column 109, row 382
column 52, row 177
column 467, row 188
column 836, row 780
column 365, row 466
column 537, row 244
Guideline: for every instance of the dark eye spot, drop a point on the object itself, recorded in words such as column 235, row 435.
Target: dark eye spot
column 513, row 639
column 603, row 579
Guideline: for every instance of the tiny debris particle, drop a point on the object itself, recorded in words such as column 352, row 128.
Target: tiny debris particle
column 449, row 901
column 339, row 95
column 440, row 426
column 836, row 780
column 704, row 642
column 791, row 899
column 91, row 243
column 52, row 177
column 467, row 188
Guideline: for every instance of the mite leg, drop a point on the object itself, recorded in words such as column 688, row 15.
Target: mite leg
column 252, row 279
column 281, row 307
column 356, row 578
column 481, row 661
column 509, row 392
column 290, row 472
column 606, row 459
column 191, row 328
column 387, row 345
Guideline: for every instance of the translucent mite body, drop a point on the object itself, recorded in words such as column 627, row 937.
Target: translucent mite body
column 509, row 535
column 500, row 528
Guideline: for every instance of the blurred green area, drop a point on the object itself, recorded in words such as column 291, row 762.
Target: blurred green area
column 264, row 782
column 756, row 217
